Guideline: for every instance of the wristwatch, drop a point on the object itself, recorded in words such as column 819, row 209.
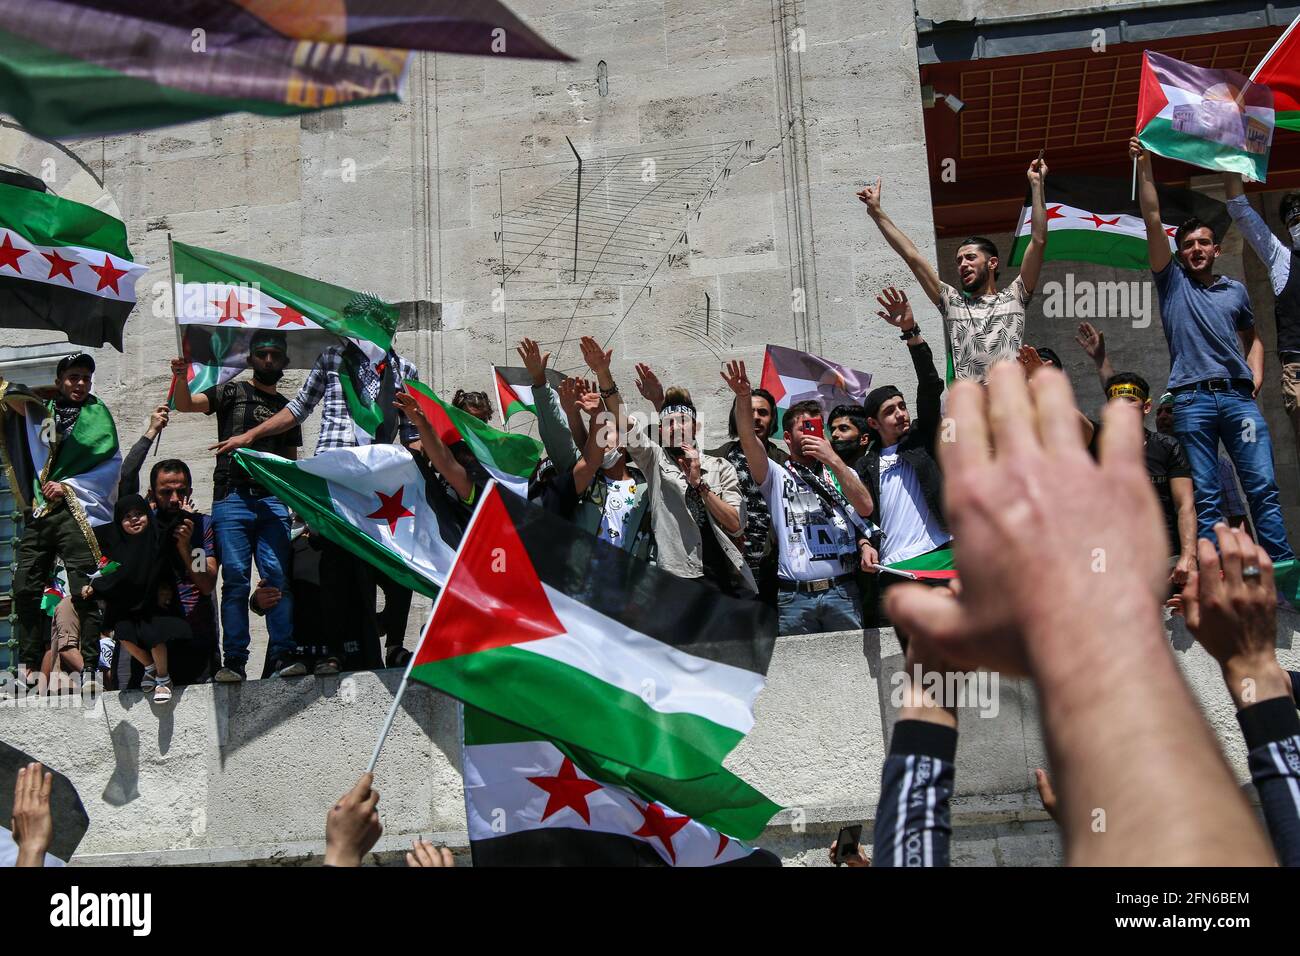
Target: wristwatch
column 911, row 333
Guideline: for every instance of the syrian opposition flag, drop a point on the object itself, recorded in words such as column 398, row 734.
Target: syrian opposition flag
column 86, row 461
column 794, row 376
column 79, row 67
column 1092, row 219
column 223, row 302
column 1280, row 72
column 547, row 627
column 530, row 802
column 64, row 267
column 509, row 458
column 1217, row 119
column 372, row 500
column 66, row 811
column 515, row 389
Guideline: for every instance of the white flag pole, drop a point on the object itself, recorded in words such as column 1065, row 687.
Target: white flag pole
column 401, row 688
column 1135, row 180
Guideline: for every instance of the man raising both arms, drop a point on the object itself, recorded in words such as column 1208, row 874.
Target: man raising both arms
column 982, row 325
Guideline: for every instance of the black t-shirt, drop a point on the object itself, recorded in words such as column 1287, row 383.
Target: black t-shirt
column 1165, row 460
column 241, row 407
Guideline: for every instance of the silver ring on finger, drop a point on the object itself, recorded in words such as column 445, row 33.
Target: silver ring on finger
column 1251, row 572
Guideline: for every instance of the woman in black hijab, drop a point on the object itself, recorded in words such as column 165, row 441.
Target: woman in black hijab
column 141, row 605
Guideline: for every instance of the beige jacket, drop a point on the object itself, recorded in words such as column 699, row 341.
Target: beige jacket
column 677, row 536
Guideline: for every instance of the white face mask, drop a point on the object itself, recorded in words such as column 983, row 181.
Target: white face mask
column 611, row 458
column 1295, row 235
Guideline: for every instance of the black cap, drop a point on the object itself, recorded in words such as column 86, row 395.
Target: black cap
column 79, row 360
column 877, row 397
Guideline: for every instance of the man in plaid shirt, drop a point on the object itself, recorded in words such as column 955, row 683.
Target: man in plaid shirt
column 348, row 583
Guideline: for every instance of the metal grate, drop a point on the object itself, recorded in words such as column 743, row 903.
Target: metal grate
column 1089, row 99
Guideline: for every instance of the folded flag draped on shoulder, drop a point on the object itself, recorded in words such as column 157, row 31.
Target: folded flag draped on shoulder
column 78, row 67
column 1280, row 72
column 67, row 812
column 372, row 500
column 515, row 389
column 64, row 266
column 1217, row 119
column 653, row 676
column 794, row 376
column 560, row 810
column 509, row 458
column 223, row 303
column 1093, row 219
column 86, row 460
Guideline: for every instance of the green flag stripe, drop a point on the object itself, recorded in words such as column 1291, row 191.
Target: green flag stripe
column 517, row 406
column 321, row 302
column 92, row 441
column 562, row 700
column 368, row 415
column 57, row 95
column 44, row 219
column 1080, row 245
column 933, row 561
column 1287, row 120
column 309, row 496
column 514, row 454
column 1160, row 137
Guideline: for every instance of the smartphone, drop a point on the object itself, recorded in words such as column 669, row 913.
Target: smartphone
column 846, row 844
column 813, row 426
column 674, row 451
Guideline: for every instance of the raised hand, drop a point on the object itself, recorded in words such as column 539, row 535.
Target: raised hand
column 597, row 359
column 733, row 373
column 1030, row 361
column 1136, row 150
column 1037, row 173
column 897, row 310
column 1091, row 340
column 352, row 826
column 870, row 195
column 591, row 404
column 405, row 403
column 534, row 360
column 158, row 419
column 180, row 368
column 648, row 384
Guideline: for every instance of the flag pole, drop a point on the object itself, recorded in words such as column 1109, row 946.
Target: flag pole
column 406, row 677
column 180, row 348
column 1135, row 180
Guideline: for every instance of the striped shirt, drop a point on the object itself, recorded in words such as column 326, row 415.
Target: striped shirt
column 1272, row 732
column 913, row 820
column 324, row 387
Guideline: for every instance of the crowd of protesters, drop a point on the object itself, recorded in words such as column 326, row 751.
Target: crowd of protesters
column 1011, row 475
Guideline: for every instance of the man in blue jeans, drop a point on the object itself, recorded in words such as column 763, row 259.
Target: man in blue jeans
column 249, row 521
column 1216, row 368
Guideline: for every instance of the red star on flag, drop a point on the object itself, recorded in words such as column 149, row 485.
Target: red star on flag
column 723, row 840
column 1171, row 231
column 391, row 509
column 289, row 316
column 60, row 266
column 1097, row 221
column 658, row 824
column 231, row 310
column 108, row 275
column 566, row 789
column 1053, row 212
column 10, row 254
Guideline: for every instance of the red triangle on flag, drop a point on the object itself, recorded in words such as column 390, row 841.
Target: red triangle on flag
column 493, row 597
column 1151, row 95
column 437, row 415
column 771, row 379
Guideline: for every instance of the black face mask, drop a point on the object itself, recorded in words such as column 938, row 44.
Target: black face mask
column 846, row 448
column 268, row 377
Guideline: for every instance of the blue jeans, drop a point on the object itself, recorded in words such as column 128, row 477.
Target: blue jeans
column 838, row 608
column 1201, row 420
column 246, row 526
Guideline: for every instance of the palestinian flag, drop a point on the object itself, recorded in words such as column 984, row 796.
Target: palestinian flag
column 530, row 802
column 66, row 811
column 548, row 627
column 55, row 591
column 372, row 500
column 1093, row 219
column 1280, row 72
column 1217, row 119
column 794, row 376
column 932, row 566
column 515, row 389
column 509, row 458
column 64, row 267
column 79, row 67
